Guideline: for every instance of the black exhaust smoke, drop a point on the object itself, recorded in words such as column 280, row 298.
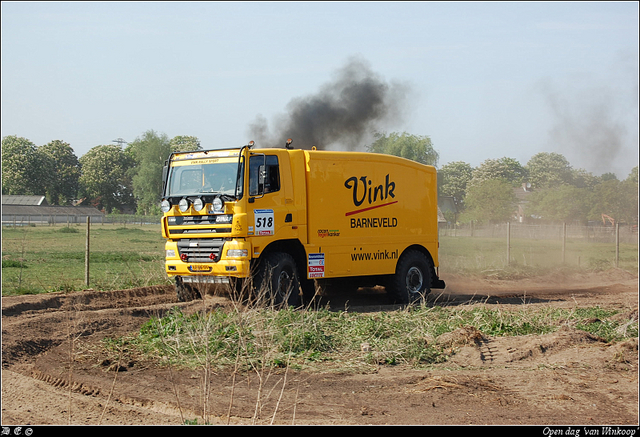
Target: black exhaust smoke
column 342, row 115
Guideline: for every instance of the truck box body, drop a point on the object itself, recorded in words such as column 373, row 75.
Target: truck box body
column 365, row 209
column 335, row 214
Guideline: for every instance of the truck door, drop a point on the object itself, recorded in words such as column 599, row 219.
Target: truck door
column 268, row 210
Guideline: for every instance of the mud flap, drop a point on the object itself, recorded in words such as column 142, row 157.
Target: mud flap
column 437, row 283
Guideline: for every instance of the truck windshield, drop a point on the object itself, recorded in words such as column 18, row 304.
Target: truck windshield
column 191, row 178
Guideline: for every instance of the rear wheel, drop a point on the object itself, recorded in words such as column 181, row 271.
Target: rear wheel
column 412, row 280
column 277, row 279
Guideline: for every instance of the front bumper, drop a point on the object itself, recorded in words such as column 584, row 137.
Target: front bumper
column 224, row 266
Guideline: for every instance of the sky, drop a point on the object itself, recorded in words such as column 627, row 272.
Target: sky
column 482, row 80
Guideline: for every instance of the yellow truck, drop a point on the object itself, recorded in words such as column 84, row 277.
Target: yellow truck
column 285, row 219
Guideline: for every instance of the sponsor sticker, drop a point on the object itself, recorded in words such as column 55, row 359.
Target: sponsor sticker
column 316, row 265
column 263, row 221
column 322, row 233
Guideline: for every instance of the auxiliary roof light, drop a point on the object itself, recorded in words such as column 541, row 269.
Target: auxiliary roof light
column 165, row 206
column 198, row 204
column 218, row 205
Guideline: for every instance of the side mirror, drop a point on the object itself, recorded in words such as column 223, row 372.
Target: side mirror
column 165, row 172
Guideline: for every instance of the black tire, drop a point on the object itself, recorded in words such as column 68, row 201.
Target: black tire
column 240, row 289
column 277, row 279
column 309, row 292
column 186, row 292
column 412, row 280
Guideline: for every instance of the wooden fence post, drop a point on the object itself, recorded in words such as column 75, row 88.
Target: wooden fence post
column 564, row 242
column 508, row 243
column 86, row 253
column 617, row 245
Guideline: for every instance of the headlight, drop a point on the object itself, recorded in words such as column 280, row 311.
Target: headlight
column 198, row 204
column 237, row 253
column 170, row 253
column 218, row 205
column 165, row 206
column 183, row 205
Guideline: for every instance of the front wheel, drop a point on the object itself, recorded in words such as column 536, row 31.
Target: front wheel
column 277, row 279
column 412, row 280
column 186, row 292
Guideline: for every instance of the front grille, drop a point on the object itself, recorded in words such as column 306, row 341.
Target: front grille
column 200, row 250
column 200, row 220
column 200, row 231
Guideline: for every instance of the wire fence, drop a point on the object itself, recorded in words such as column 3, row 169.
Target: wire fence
column 627, row 234
column 486, row 246
column 498, row 246
column 69, row 219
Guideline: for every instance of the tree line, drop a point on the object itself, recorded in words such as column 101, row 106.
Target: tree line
column 112, row 178
column 555, row 191
column 123, row 179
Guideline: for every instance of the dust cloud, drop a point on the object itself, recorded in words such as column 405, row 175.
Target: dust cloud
column 342, row 115
column 594, row 123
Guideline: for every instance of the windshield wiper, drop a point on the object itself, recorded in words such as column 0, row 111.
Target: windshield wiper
column 224, row 196
column 219, row 193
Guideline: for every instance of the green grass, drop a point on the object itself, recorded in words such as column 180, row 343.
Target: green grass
column 265, row 338
column 530, row 257
column 43, row 259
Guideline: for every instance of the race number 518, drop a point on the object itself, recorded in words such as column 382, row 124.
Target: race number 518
column 264, row 221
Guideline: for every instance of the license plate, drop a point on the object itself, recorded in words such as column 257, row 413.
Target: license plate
column 199, row 268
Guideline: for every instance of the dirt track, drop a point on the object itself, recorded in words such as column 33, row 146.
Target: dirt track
column 565, row 378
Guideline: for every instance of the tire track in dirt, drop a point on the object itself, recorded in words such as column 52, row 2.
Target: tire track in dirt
column 31, row 325
column 36, row 326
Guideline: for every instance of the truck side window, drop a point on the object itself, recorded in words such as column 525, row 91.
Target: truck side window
column 270, row 180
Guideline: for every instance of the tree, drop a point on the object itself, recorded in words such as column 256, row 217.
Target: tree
column 506, row 169
column 453, row 179
column 546, row 170
column 62, row 172
column 149, row 153
column 21, row 167
column 608, row 177
column 491, row 200
column 414, row 147
column 616, row 199
column 633, row 176
column 630, row 188
column 104, row 177
column 565, row 203
column 184, row 143
column 581, row 178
